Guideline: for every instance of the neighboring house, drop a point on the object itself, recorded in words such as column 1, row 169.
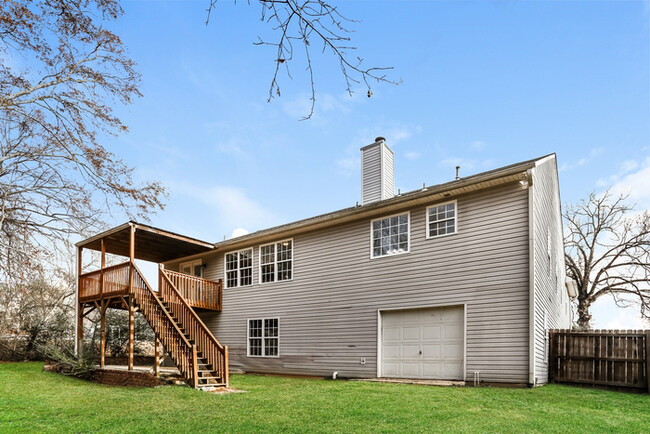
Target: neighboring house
column 441, row 283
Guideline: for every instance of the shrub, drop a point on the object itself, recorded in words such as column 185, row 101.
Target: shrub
column 68, row 363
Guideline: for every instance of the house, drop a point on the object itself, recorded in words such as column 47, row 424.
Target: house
column 454, row 281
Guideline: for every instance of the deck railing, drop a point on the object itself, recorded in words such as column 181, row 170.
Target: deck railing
column 114, row 280
column 109, row 281
column 198, row 292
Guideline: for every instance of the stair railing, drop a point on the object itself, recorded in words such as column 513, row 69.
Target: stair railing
column 182, row 352
column 215, row 353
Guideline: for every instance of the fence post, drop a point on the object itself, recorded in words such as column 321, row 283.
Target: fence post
column 647, row 359
column 551, row 350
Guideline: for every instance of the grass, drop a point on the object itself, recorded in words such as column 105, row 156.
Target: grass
column 33, row 400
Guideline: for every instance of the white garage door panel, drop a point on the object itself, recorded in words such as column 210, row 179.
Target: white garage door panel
column 424, row 343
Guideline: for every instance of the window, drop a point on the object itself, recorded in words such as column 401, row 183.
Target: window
column 390, row 235
column 441, row 219
column 264, row 337
column 193, row 268
column 276, row 261
column 239, row 268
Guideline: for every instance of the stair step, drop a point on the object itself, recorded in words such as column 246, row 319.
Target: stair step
column 209, row 378
column 210, row 386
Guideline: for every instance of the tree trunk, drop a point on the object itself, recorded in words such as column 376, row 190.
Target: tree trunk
column 584, row 317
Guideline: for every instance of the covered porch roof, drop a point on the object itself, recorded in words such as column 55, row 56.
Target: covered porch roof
column 151, row 244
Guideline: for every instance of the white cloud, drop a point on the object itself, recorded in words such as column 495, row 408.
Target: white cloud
column 635, row 183
column 232, row 207
column 230, row 147
column 326, row 103
column 349, row 163
column 607, row 315
column 467, row 165
column 478, row 145
column 594, row 152
column 628, row 166
column 238, row 233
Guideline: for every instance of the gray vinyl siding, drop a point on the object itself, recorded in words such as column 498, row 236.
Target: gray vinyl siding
column 371, row 174
column 551, row 298
column 329, row 311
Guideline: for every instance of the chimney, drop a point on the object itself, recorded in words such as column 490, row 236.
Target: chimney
column 377, row 172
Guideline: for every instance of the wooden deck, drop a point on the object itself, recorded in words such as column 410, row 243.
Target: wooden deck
column 197, row 354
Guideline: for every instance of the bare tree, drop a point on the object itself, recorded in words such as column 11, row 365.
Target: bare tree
column 607, row 249
column 61, row 75
column 310, row 23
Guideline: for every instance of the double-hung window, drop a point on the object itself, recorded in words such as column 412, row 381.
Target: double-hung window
column 390, row 235
column 276, row 261
column 263, row 337
column 442, row 219
column 239, row 268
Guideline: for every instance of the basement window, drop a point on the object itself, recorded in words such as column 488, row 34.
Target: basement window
column 442, row 219
column 390, row 235
column 276, row 261
column 239, row 268
column 263, row 337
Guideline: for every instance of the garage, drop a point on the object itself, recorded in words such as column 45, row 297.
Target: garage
column 423, row 343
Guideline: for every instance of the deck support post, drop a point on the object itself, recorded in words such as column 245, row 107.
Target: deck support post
column 102, row 327
column 78, row 347
column 226, row 369
column 101, row 269
column 156, row 358
column 195, row 368
column 131, row 331
column 80, row 330
column 131, row 299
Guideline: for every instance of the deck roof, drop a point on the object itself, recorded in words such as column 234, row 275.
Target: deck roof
column 151, row 244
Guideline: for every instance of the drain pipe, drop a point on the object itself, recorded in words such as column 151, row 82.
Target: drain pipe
column 334, row 375
column 477, row 378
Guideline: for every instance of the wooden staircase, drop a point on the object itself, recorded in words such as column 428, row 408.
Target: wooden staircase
column 197, row 354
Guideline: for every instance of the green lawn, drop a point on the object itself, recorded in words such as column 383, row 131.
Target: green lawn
column 33, row 400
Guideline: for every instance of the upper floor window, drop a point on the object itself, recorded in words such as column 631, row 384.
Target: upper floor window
column 239, row 268
column 442, row 219
column 390, row 235
column 276, row 261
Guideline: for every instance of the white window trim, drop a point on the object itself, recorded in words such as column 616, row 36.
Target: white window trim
column 225, row 270
column 455, row 202
column 248, row 348
column 275, row 261
column 408, row 246
column 193, row 263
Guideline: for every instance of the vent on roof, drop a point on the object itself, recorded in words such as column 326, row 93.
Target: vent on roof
column 377, row 172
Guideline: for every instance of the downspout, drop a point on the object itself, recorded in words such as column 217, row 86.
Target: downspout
column 531, row 278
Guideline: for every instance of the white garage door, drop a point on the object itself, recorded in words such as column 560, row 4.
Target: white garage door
column 423, row 343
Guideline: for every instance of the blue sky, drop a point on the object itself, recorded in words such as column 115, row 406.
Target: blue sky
column 485, row 84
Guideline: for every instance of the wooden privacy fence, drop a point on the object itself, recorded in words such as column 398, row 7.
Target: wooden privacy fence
column 614, row 358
